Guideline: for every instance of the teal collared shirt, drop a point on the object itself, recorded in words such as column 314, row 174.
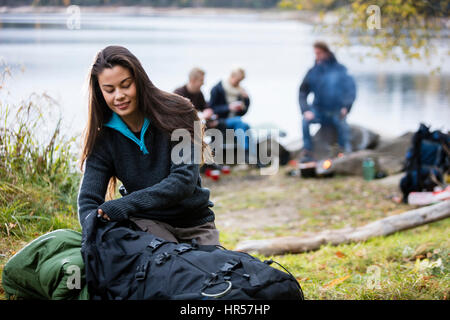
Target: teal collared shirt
column 116, row 122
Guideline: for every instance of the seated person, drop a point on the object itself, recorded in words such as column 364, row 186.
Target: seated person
column 192, row 91
column 334, row 92
column 230, row 102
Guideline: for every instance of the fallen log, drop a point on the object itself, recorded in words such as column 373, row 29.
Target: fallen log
column 326, row 144
column 383, row 227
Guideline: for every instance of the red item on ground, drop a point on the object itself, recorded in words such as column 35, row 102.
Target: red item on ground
column 215, row 175
column 293, row 163
column 208, row 172
column 424, row 198
column 226, row 169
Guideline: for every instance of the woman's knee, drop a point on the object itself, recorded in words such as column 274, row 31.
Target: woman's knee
column 205, row 234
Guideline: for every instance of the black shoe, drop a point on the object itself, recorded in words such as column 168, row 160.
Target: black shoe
column 260, row 165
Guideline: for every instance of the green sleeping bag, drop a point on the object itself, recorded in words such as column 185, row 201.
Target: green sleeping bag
column 49, row 267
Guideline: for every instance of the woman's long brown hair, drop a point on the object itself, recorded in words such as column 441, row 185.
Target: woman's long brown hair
column 166, row 111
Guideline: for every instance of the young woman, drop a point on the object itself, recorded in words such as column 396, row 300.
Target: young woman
column 128, row 137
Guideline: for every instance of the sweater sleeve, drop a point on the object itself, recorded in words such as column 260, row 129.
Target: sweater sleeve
column 349, row 92
column 179, row 184
column 246, row 102
column 94, row 182
column 304, row 91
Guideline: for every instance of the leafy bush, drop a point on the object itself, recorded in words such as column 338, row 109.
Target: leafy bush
column 38, row 180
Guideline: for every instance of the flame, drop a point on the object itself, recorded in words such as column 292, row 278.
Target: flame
column 326, row 164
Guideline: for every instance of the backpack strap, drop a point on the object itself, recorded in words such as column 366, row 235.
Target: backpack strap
column 270, row 261
column 141, row 273
column 228, row 266
column 142, row 268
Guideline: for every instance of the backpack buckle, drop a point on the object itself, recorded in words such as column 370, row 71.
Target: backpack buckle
column 183, row 248
column 194, row 243
column 155, row 243
column 139, row 276
column 141, row 273
column 162, row 257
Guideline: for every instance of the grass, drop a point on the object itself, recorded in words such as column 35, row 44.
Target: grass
column 38, row 177
column 412, row 264
column 382, row 268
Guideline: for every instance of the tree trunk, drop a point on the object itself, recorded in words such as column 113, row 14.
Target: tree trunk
column 383, row 227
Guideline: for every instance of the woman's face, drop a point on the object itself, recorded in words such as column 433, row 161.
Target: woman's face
column 119, row 90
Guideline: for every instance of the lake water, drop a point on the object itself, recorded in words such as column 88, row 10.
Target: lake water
column 392, row 97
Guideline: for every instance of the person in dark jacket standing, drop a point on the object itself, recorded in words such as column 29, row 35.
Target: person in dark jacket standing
column 334, row 93
column 128, row 137
column 230, row 102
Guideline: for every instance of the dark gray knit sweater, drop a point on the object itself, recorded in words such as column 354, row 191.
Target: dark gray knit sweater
column 158, row 188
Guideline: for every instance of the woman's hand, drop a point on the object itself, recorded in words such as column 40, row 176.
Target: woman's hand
column 103, row 215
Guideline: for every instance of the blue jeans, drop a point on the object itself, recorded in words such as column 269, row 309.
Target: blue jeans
column 334, row 119
column 237, row 123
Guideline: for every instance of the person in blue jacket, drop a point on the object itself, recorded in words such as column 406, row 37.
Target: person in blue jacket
column 334, row 93
column 129, row 137
column 230, row 102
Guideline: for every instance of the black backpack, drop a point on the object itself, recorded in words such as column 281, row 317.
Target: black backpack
column 427, row 161
column 125, row 263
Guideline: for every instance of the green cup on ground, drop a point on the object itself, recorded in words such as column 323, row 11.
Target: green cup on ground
column 368, row 167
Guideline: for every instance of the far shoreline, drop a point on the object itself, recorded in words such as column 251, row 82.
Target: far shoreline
column 269, row 14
